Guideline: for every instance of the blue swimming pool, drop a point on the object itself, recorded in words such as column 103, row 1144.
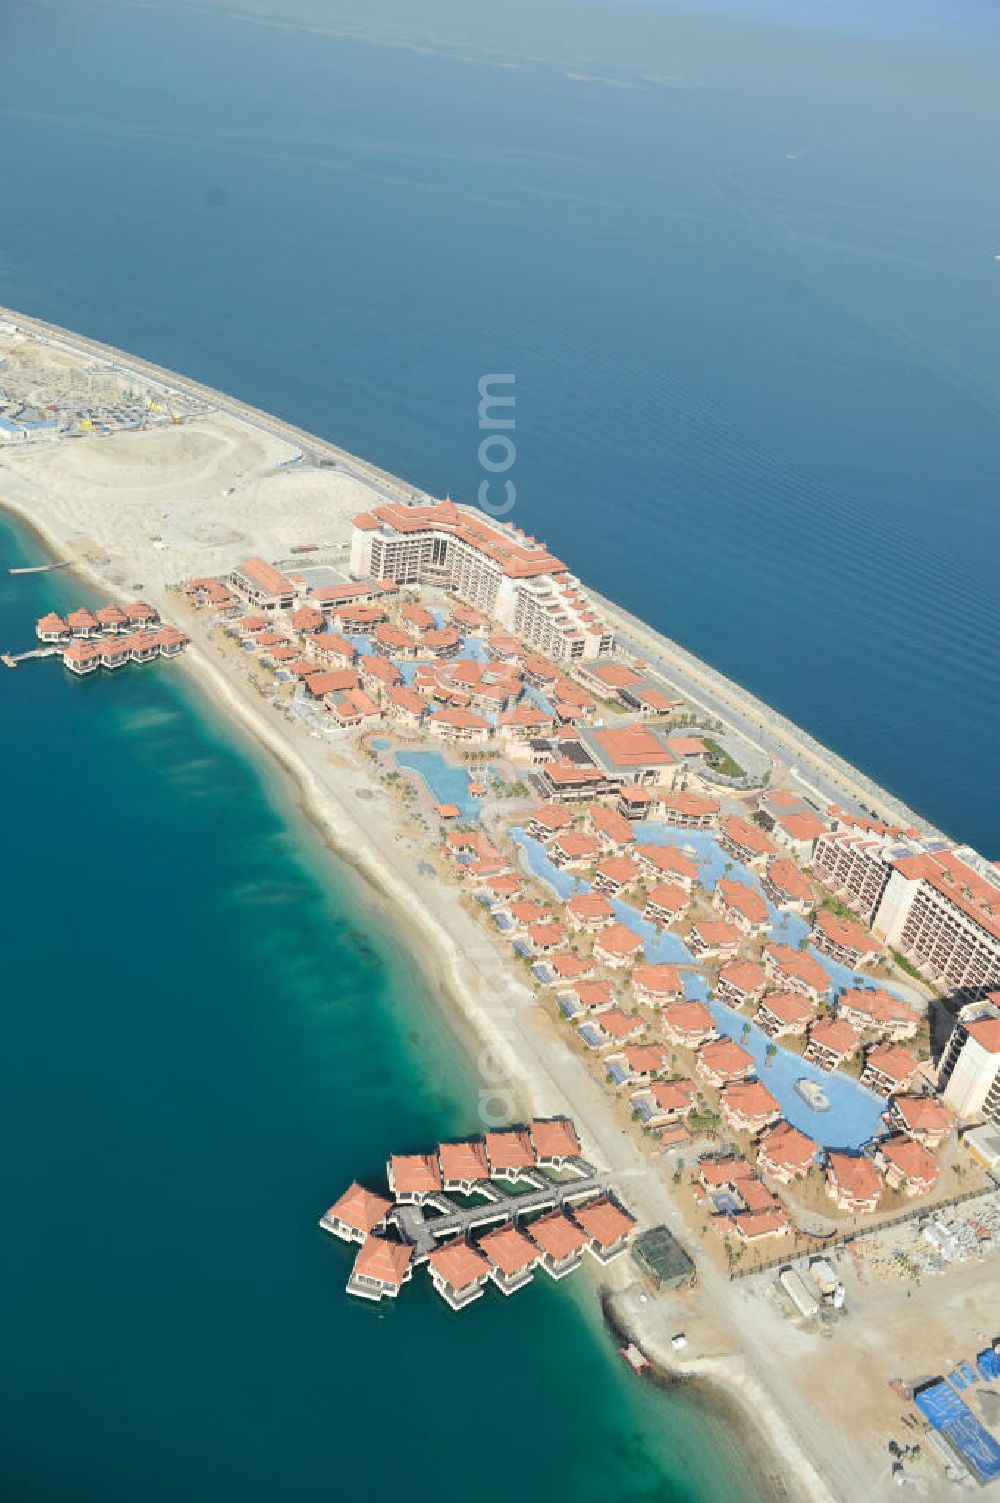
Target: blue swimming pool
column 659, row 946
column 854, row 1115
column 448, row 784
column 563, row 883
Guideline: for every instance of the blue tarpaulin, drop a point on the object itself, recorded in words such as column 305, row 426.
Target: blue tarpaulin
column 948, row 1412
column 988, row 1363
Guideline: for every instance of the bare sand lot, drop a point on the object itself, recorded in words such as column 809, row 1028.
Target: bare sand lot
column 183, row 500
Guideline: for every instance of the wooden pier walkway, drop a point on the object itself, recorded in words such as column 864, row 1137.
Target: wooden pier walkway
column 425, row 1231
column 11, row 659
column 40, row 568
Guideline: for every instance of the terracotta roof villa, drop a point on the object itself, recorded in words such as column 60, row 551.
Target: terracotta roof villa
column 830, row 1041
column 853, row 1182
column 724, row 1061
column 797, row 970
column 380, row 1268
column 785, row 1153
column 512, row 1255
column 741, row 981
column 922, row 1117
column 356, row 1213
column 607, row 1226
column 52, row 628
column 555, row 1141
column 463, row 1165
column 785, row 1012
column 748, row 1106
column 656, row 985
column 908, row 1166
column 561, row 1241
column 688, row 1024
column 617, row 946
column 414, row 1176
column 459, row 1272
column 509, row 1153
column 663, row 1101
column 844, row 940
column 742, row 905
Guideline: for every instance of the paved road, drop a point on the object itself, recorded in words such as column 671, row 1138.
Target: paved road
column 819, row 772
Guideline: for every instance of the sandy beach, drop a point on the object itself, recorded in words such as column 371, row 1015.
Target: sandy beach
column 142, row 511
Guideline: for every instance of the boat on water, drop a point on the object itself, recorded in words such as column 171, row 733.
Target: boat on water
column 635, row 1357
column 813, row 1094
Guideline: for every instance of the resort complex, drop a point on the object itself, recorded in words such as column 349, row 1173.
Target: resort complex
column 749, row 1004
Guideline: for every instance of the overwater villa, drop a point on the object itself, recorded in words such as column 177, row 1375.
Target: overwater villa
column 109, row 638
column 381, row 1268
column 459, row 1272
column 414, row 1176
column 356, row 1214
column 510, row 1153
column 512, row 1255
column 555, row 1142
column 607, row 1226
column 561, row 1241
column 464, row 1166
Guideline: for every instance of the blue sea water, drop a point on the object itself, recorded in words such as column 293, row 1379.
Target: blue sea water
column 740, row 260
column 208, row 1030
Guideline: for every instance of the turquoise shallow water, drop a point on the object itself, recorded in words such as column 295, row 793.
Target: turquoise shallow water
column 207, row 1031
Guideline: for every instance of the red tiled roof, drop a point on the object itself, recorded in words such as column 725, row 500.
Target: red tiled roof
column 518, row 556
column 383, row 1260
column 265, row 576
column 458, row 1263
column 603, row 1221
column 618, row 940
column 464, row 1160
column 554, row 1138
column 511, row 1149
column 509, row 1249
column 751, row 837
column 912, row 1159
column 415, row 1173
column 360, row 1208
column 744, row 975
column 557, row 1235
column 661, row 978
column 688, row 1017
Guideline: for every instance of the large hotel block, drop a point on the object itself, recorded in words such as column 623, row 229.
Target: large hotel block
column 491, row 565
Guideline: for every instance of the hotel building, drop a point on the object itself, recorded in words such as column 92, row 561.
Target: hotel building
column 262, row 584
column 942, row 909
column 969, row 1077
column 488, row 564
